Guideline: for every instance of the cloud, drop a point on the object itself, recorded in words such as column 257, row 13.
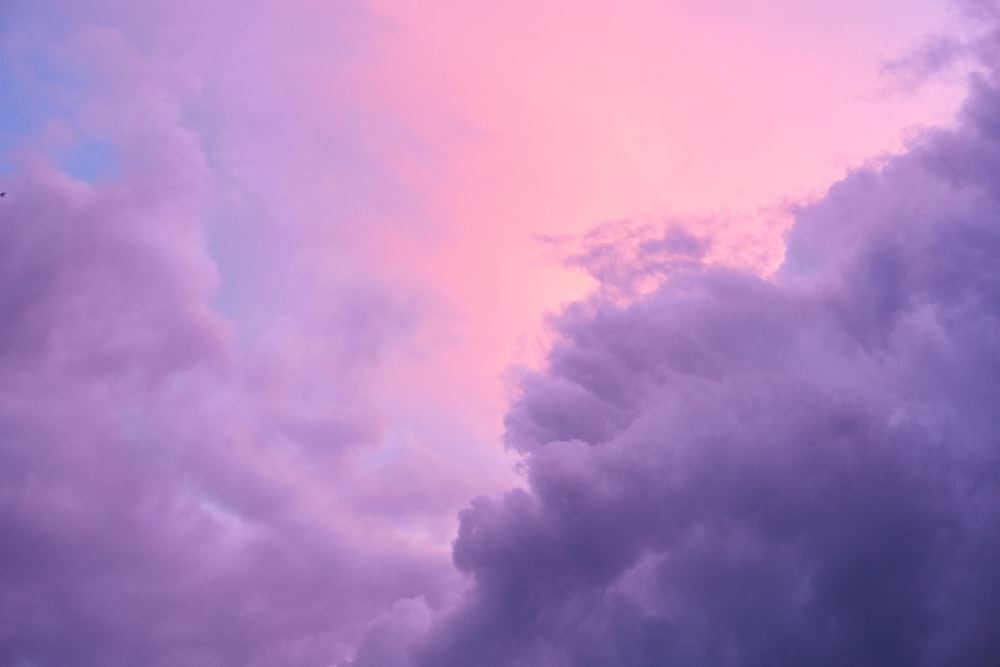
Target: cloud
column 737, row 470
column 187, row 348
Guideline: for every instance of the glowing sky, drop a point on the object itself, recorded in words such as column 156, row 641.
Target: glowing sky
column 288, row 285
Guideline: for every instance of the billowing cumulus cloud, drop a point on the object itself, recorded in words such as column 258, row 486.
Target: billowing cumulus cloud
column 186, row 347
column 156, row 508
column 795, row 470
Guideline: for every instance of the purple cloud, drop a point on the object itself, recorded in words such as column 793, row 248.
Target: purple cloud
column 185, row 376
column 733, row 470
column 153, row 505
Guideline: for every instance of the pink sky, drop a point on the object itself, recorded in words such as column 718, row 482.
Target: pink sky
column 554, row 117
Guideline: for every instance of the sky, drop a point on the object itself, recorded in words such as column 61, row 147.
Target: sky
column 537, row 334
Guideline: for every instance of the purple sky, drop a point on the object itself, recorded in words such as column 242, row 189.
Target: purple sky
column 355, row 335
